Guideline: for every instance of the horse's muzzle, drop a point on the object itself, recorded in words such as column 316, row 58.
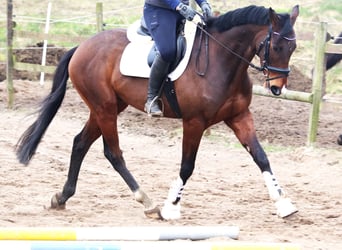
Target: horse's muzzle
column 275, row 83
column 275, row 90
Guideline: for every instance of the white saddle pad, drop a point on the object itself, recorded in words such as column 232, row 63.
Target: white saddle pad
column 134, row 58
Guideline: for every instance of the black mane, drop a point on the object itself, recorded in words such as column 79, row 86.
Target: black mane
column 248, row 15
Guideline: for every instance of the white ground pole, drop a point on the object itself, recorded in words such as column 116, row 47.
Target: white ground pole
column 47, row 27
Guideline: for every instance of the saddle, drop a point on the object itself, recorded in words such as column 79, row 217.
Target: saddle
column 140, row 52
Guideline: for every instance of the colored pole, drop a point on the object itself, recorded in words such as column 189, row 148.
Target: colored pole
column 151, row 245
column 119, row 233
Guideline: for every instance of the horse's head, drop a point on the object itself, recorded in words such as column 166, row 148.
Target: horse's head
column 276, row 49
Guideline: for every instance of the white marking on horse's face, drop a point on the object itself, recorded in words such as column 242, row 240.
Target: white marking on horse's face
column 284, row 90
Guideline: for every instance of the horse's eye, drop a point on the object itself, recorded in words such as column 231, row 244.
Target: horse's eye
column 277, row 48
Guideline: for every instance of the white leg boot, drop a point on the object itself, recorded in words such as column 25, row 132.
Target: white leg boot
column 171, row 208
column 284, row 205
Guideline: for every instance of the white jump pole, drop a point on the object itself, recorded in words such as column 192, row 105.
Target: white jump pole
column 47, row 27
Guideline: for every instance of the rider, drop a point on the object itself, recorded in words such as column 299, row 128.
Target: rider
column 162, row 18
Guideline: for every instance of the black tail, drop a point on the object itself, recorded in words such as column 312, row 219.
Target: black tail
column 28, row 142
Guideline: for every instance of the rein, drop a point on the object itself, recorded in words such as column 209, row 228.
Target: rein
column 265, row 44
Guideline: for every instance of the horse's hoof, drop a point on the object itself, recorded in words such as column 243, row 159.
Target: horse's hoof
column 339, row 140
column 170, row 211
column 153, row 213
column 55, row 204
column 285, row 208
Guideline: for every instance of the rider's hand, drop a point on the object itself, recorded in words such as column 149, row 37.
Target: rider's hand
column 206, row 9
column 186, row 11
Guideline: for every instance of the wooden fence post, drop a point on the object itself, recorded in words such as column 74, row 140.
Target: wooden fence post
column 9, row 68
column 99, row 17
column 317, row 81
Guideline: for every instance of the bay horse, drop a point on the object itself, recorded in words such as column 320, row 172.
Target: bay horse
column 224, row 93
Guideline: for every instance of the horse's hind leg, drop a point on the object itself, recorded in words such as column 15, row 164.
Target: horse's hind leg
column 243, row 128
column 114, row 155
column 81, row 145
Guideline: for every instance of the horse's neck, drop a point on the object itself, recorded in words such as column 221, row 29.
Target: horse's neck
column 234, row 48
column 232, row 51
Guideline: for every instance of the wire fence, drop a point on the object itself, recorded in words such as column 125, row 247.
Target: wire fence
column 87, row 22
column 77, row 28
column 75, row 25
column 85, row 25
column 129, row 8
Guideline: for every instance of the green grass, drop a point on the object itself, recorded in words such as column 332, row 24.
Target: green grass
column 332, row 7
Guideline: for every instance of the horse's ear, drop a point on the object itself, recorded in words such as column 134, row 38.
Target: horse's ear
column 274, row 18
column 294, row 14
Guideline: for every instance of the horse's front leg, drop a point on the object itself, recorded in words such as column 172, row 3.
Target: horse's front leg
column 243, row 127
column 192, row 134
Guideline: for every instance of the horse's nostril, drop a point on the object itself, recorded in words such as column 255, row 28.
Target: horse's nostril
column 275, row 90
column 339, row 139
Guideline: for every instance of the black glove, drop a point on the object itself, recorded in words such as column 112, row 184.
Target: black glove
column 186, row 11
column 206, row 9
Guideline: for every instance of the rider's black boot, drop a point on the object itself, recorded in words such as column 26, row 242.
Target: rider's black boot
column 159, row 72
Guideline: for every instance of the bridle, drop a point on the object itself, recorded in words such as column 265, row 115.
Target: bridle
column 284, row 72
column 265, row 44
